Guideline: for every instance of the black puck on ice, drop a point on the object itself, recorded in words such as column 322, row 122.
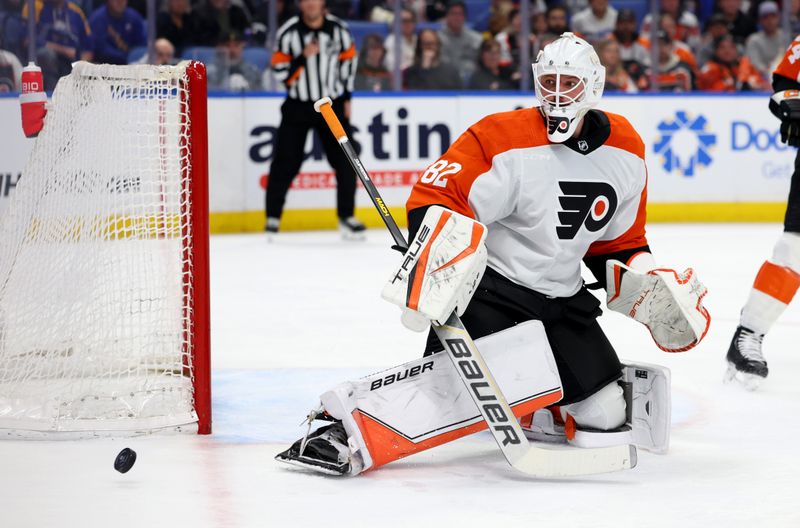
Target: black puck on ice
column 125, row 460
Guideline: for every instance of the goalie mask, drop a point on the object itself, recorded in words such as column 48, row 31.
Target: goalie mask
column 569, row 82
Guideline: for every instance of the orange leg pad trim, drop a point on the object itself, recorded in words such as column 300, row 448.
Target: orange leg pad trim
column 387, row 446
column 777, row 282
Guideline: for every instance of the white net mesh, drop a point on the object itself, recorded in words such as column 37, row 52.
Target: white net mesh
column 95, row 270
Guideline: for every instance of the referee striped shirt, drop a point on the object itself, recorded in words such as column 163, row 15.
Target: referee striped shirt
column 330, row 73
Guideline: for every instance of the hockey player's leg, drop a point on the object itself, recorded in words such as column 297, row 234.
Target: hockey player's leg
column 423, row 404
column 773, row 289
column 287, row 160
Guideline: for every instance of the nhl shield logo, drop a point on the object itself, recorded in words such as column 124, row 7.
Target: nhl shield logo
column 583, row 145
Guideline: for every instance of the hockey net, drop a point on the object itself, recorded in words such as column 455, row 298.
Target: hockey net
column 104, row 260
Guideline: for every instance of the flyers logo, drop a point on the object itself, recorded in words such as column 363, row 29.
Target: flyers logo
column 590, row 204
column 560, row 124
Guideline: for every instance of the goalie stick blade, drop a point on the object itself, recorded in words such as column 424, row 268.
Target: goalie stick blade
column 573, row 462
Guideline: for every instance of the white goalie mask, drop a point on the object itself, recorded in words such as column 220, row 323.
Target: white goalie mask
column 564, row 106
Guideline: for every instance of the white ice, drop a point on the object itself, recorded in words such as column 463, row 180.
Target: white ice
column 292, row 317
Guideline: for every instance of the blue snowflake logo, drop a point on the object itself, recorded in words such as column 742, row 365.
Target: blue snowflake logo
column 685, row 143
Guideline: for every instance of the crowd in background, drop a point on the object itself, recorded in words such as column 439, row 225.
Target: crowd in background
column 712, row 45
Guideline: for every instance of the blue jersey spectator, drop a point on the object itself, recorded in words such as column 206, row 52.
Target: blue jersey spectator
column 13, row 31
column 116, row 29
column 62, row 26
column 62, row 37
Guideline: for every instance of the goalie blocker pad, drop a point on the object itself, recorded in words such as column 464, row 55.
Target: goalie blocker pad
column 441, row 269
column 422, row 404
column 647, row 391
column 669, row 304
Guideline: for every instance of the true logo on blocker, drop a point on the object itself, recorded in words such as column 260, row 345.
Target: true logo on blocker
column 590, row 204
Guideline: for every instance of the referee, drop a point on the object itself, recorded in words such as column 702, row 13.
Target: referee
column 315, row 57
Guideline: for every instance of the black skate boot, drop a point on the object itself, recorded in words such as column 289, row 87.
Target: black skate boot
column 272, row 227
column 745, row 360
column 324, row 450
column 352, row 229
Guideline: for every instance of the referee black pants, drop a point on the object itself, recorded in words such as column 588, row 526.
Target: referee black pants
column 585, row 359
column 297, row 118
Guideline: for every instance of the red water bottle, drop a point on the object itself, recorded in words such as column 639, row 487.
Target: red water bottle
column 32, row 100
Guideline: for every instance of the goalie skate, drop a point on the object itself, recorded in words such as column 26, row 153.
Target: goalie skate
column 746, row 363
column 325, row 451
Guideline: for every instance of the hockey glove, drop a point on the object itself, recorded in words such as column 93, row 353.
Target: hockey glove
column 441, row 269
column 786, row 107
column 669, row 304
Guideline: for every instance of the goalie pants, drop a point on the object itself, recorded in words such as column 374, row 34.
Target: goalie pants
column 585, row 359
column 791, row 222
column 297, row 118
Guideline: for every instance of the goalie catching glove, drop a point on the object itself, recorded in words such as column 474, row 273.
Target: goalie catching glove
column 441, row 269
column 786, row 107
column 669, row 304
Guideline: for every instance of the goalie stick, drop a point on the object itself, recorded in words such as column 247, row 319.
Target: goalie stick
column 475, row 374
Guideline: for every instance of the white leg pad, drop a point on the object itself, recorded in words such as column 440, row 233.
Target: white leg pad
column 648, row 408
column 603, row 410
column 424, row 403
column 647, row 390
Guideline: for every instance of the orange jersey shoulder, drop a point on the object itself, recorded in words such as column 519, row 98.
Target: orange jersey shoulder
column 789, row 66
column 623, row 135
column 448, row 180
column 505, row 131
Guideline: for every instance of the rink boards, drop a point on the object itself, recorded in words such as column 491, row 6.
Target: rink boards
column 710, row 158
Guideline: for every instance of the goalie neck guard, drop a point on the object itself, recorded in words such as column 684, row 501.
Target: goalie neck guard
column 563, row 109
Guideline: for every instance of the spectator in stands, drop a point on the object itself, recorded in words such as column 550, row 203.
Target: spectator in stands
column 408, row 41
column 371, row 74
column 673, row 74
column 617, row 77
column 13, row 29
column 435, row 10
column 165, row 52
column 596, row 22
column 740, row 25
column 10, row 72
column 116, row 28
column 729, row 71
column 490, row 75
column 62, row 37
column 500, row 14
column 215, row 20
column 509, row 40
column 716, row 26
column 557, row 17
column 375, row 10
column 667, row 23
column 428, row 71
column 632, row 48
column 175, row 24
column 459, row 44
column 765, row 46
column 230, row 71
column 687, row 27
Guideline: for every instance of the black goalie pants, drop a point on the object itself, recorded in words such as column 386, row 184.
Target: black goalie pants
column 791, row 222
column 297, row 118
column 585, row 358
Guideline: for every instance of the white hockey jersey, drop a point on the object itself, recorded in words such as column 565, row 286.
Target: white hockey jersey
column 547, row 205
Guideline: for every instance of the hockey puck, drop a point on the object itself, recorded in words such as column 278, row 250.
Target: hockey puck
column 125, row 460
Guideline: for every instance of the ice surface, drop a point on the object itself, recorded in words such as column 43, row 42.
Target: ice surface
column 295, row 316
